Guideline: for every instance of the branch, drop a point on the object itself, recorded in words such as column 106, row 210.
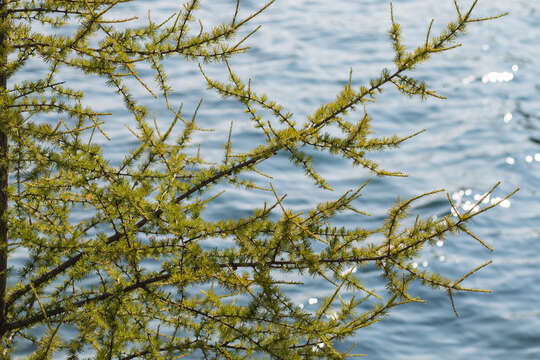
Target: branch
column 117, row 236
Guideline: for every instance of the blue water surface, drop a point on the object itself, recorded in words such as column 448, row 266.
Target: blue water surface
column 488, row 130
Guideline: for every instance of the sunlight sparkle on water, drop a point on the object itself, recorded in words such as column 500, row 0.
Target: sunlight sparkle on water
column 440, row 243
column 528, row 158
column 507, row 117
column 469, row 206
column 468, row 80
column 537, row 156
column 332, row 316
column 505, row 203
column 510, row 160
column 346, row 272
column 515, row 67
column 461, row 202
column 494, row 76
column 312, row 301
column 480, row 196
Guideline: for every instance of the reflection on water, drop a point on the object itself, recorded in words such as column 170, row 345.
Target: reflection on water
column 494, row 76
column 350, row 270
column 528, row 158
column 469, row 79
column 463, row 199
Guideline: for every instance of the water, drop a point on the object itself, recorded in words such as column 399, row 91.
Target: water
column 487, row 131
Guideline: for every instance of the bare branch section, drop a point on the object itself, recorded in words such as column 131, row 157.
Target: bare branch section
column 93, row 275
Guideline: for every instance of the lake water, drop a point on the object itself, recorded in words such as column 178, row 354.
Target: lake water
column 487, row 131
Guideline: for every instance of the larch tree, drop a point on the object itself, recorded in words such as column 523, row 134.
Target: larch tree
column 86, row 289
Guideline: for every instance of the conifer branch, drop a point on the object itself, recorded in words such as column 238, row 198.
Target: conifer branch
column 51, row 274
column 151, row 206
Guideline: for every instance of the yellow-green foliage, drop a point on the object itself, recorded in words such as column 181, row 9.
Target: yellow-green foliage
column 149, row 207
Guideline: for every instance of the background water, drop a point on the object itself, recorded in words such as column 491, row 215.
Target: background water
column 487, row 131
